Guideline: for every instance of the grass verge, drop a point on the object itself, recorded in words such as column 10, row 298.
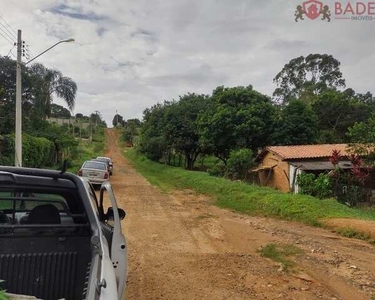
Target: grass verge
column 245, row 198
column 88, row 150
column 356, row 234
column 281, row 254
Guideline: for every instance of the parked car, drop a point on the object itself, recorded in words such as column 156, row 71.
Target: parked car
column 108, row 161
column 95, row 171
column 56, row 240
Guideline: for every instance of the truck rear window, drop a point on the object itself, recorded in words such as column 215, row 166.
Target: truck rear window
column 34, row 209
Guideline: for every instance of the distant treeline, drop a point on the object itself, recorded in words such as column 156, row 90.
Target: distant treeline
column 311, row 104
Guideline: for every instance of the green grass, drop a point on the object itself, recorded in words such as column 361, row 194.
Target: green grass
column 87, row 151
column 281, row 254
column 245, row 198
column 3, row 296
column 356, row 234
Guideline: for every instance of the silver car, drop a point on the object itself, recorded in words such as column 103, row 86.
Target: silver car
column 108, row 161
column 95, row 171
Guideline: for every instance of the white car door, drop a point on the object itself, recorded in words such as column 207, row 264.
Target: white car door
column 118, row 245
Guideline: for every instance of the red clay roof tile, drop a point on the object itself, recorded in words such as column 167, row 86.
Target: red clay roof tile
column 307, row 151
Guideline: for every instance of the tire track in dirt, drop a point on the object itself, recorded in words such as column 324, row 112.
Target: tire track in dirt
column 182, row 247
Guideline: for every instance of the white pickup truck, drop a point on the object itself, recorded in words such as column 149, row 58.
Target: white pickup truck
column 56, row 239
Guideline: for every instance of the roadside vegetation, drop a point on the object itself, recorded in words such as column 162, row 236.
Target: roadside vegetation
column 310, row 105
column 282, row 254
column 356, row 234
column 44, row 144
column 87, row 150
column 246, row 198
column 222, row 133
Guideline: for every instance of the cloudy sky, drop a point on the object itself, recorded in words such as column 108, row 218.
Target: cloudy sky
column 130, row 54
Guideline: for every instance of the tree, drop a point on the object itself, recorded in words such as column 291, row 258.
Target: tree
column 307, row 76
column 238, row 117
column 8, row 97
column 118, row 120
column 152, row 140
column 52, row 82
column 362, row 137
column 297, row 125
column 131, row 130
column 336, row 112
column 180, row 131
column 58, row 111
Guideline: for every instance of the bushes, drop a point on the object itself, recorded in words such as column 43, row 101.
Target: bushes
column 320, row 187
column 217, row 170
column 36, row 151
column 239, row 164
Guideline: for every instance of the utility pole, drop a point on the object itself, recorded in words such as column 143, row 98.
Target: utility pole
column 96, row 119
column 116, row 118
column 18, row 135
column 90, row 132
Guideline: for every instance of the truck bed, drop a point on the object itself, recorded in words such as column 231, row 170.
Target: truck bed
column 47, row 267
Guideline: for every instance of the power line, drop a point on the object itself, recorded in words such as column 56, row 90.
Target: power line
column 9, row 33
column 8, row 25
column 9, row 36
column 6, row 39
column 10, row 50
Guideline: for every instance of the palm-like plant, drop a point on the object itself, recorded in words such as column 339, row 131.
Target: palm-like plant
column 52, row 82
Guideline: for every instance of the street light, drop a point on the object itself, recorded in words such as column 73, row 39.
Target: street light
column 63, row 41
column 18, row 134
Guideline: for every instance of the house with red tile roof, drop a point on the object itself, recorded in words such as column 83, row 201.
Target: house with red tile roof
column 279, row 166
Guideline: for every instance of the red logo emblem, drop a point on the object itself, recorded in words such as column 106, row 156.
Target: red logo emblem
column 312, row 9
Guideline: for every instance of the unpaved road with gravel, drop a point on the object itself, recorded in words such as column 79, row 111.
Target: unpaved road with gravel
column 183, row 247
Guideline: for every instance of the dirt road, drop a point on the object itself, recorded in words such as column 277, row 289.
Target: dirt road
column 183, row 247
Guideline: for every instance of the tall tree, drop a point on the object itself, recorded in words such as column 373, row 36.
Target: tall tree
column 238, row 117
column 307, row 76
column 297, row 125
column 52, row 82
column 152, row 141
column 336, row 112
column 181, row 131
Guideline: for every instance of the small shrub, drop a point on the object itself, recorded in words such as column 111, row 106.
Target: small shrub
column 320, row 187
column 217, row 170
column 323, row 186
column 239, row 164
column 306, row 183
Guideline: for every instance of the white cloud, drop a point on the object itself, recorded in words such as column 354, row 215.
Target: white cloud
column 130, row 54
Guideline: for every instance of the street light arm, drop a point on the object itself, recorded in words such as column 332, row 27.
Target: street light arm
column 64, row 41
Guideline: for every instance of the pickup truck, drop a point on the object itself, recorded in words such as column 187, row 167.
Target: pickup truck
column 57, row 241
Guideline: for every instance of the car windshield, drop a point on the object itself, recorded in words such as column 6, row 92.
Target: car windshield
column 94, row 165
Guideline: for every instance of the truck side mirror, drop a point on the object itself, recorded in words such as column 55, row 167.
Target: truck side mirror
column 109, row 214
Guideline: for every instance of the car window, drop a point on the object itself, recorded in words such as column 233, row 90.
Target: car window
column 94, row 165
column 31, row 200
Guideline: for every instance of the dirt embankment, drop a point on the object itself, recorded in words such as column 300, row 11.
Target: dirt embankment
column 183, row 247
